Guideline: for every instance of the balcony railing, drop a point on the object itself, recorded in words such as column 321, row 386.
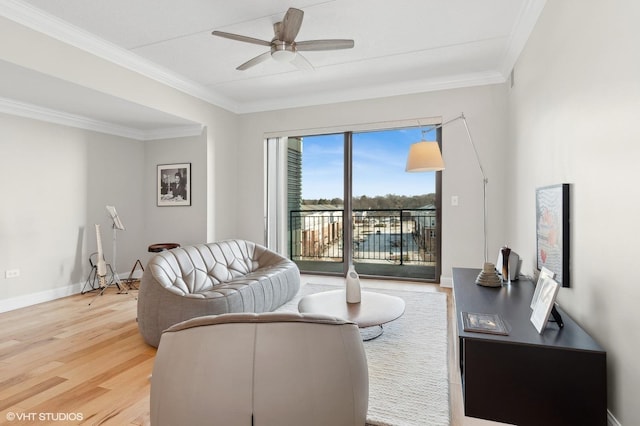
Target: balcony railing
column 379, row 236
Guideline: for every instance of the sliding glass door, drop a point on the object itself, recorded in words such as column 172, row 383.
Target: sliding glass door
column 395, row 213
column 316, row 223
column 350, row 200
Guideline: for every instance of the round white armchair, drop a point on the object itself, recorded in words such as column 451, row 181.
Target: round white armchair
column 272, row 369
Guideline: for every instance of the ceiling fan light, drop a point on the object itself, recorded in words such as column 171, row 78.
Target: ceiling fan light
column 283, row 55
column 282, row 52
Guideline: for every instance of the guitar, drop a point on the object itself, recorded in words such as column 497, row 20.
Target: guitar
column 102, row 265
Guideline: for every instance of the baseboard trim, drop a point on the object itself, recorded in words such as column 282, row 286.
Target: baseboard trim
column 446, row 281
column 18, row 302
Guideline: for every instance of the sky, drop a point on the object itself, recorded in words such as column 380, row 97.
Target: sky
column 379, row 160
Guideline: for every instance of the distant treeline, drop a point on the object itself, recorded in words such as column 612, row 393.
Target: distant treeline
column 389, row 201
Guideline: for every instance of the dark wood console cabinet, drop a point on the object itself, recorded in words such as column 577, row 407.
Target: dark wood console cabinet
column 555, row 378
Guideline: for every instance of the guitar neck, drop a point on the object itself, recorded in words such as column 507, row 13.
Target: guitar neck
column 101, row 264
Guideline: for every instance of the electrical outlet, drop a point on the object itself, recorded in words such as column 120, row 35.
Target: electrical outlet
column 454, row 200
column 12, row 273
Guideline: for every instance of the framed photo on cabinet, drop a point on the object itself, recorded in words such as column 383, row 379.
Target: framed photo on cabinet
column 544, row 273
column 546, row 299
column 483, row 323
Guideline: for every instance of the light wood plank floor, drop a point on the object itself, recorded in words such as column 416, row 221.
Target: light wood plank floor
column 66, row 359
column 83, row 361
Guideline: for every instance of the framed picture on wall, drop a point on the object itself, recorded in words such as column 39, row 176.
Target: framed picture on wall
column 174, row 185
column 552, row 231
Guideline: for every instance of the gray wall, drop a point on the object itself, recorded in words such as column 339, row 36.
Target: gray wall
column 58, row 181
column 185, row 225
column 573, row 118
column 485, row 108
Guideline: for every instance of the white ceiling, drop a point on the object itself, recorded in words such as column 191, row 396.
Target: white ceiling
column 404, row 46
column 32, row 94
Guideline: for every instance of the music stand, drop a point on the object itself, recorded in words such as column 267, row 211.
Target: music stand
column 117, row 225
column 115, row 279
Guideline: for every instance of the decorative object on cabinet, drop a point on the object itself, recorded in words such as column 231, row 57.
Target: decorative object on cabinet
column 488, row 276
column 505, row 252
column 515, row 264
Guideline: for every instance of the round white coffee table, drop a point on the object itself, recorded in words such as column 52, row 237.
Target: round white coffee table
column 374, row 309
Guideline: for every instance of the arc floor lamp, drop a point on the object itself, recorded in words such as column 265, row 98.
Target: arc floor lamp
column 425, row 156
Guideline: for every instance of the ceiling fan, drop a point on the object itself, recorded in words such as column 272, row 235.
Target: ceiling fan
column 283, row 46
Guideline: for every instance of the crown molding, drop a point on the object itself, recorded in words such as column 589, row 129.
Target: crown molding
column 52, row 26
column 22, row 109
column 381, row 91
column 520, row 33
column 173, row 132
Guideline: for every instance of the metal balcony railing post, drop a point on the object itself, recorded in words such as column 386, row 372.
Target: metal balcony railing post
column 401, row 240
column 291, row 229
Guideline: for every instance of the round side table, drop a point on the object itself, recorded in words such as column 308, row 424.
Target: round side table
column 157, row 248
column 373, row 310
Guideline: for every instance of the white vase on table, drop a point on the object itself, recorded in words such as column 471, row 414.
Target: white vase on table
column 353, row 286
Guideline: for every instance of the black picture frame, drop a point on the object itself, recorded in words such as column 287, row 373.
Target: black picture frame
column 552, row 231
column 174, row 185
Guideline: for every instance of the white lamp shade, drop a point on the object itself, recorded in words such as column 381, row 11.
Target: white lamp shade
column 424, row 156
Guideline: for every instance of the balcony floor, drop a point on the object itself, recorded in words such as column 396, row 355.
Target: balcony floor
column 405, row 271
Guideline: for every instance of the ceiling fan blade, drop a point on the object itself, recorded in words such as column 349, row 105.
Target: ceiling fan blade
column 255, row 61
column 241, row 38
column 291, row 24
column 277, row 30
column 335, row 44
column 302, row 63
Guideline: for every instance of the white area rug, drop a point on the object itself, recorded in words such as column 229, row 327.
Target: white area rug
column 408, row 377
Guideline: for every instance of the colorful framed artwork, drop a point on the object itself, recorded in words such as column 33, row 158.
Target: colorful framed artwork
column 552, row 231
column 174, row 184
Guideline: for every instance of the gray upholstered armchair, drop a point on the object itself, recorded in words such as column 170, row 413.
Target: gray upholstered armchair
column 272, row 369
column 208, row 279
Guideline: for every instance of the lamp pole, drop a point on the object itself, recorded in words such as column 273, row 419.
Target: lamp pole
column 485, row 181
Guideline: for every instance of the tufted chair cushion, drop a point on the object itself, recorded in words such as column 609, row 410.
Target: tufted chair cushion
column 273, row 369
column 207, row 279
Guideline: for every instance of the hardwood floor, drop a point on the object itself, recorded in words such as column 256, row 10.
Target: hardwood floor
column 75, row 361
column 66, row 360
